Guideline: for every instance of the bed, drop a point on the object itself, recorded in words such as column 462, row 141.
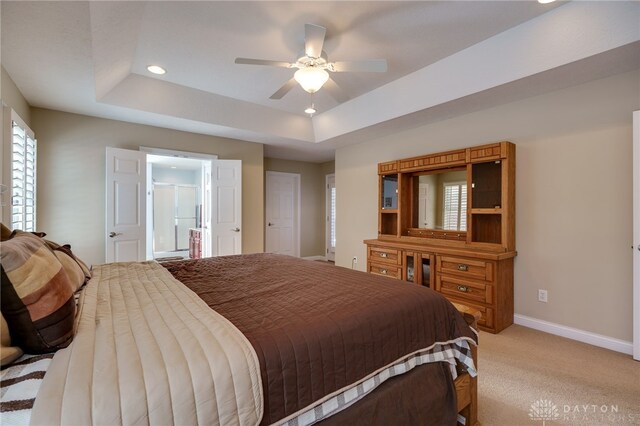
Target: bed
column 259, row 339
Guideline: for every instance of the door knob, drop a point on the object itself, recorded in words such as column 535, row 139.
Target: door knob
column 236, row 229
column 113, row 234
column 269, row 224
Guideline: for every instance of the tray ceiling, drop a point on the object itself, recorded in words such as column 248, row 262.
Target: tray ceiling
column 445, row 58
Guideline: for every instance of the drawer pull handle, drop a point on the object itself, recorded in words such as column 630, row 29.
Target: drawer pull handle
column 383, row 271
column 383, row 255
column 464, row 289
column 463, row 267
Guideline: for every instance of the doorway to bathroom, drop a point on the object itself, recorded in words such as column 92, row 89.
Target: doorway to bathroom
column 177, row 203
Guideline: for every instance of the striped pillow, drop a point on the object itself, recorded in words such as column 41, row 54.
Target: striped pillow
column 37, row 295
column 76, row 269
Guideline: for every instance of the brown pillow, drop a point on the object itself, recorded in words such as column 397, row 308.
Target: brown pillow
column 78, row 271
column 73, row 270
column 37, row 295
column 5, row 233
column 8, row 353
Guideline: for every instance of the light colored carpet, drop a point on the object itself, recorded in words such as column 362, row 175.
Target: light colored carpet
column 586, row 385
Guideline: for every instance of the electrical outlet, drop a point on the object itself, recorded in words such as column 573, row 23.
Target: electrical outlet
column 542, row 296
column 355, row 260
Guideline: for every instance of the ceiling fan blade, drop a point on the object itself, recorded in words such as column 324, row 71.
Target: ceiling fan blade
column 335, row 91
column 370, row 65
column 284, row 89
column 248, row 61
column 313, row 40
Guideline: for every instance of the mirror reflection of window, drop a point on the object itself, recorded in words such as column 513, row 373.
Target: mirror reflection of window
column 455, row 206
column 435, row 208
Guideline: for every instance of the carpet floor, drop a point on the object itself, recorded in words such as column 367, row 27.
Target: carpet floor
column 527, row 377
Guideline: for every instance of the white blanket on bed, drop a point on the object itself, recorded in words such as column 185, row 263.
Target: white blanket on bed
column 149, row 351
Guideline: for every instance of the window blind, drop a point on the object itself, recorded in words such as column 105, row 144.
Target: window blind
column 23, row 178
column 333, row 219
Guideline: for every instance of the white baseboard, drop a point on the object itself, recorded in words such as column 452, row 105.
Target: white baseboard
column 575, row 334
column 314, row 258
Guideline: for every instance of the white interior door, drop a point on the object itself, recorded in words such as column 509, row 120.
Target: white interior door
column 126, row 205
column 226, row 214
column 636, row 235
column 331, row 217
column 282, row 200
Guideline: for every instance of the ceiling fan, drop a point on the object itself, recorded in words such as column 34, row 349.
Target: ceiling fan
column 313, row 65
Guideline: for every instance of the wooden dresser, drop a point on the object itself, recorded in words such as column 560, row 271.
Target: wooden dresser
column 447, row 221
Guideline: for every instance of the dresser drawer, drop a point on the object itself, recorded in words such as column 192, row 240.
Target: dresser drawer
column 385, row 255
column 385, row 270
column 486, row 314
column 463, row 289
column 469, row 268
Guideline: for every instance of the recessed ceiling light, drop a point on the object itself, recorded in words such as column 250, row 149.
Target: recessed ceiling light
column 310, row 110
column 173, row 167
column 545, row 1
column 156, row 69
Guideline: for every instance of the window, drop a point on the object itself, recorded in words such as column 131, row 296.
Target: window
column 23, row 177
column 331, row 217
column 455, row 206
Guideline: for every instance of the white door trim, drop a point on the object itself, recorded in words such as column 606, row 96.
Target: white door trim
column 207, row 243
column 296, row 226
column 175, row 153
column 636, row 235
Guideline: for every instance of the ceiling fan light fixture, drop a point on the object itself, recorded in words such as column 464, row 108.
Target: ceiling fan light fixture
column 311, row 78
column 156, row 69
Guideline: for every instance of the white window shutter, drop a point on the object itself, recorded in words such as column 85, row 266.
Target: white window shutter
column 455, row 206
column 23, row 178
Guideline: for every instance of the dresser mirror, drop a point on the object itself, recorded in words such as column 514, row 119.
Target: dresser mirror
column 440, row 200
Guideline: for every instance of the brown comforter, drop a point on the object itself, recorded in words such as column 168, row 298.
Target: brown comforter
column 317, row 328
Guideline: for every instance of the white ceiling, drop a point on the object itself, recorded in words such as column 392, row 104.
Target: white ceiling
column 445, row 59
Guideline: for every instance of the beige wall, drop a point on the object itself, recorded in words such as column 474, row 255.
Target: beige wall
column 312, row 203
column 12, row 97
column 328, row 168
column 71, row 175
column 573, row 201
